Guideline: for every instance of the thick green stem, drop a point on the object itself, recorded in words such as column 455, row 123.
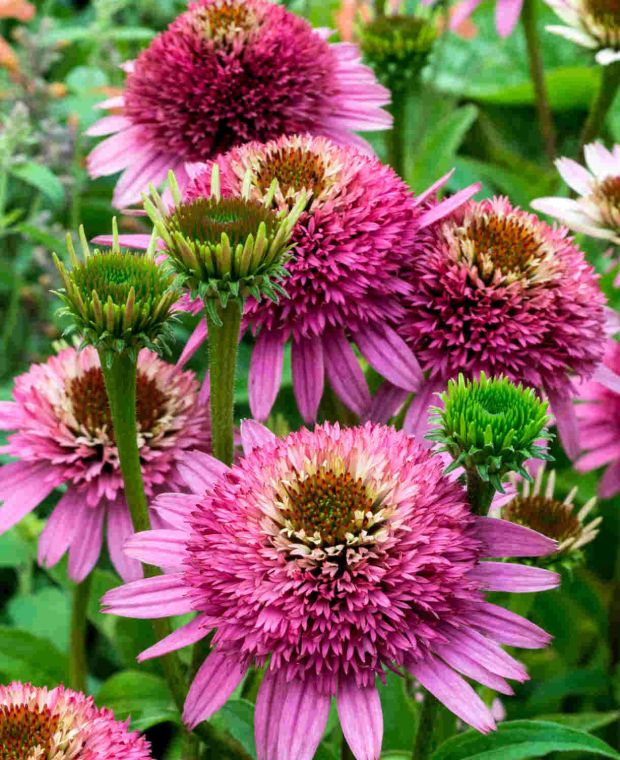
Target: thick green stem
column 479, row 493
column 537, row 72
column 424, row 740
column 223, row 341
column 608, row 88
column 120, row 381
column 396, row 137
column 78, row 667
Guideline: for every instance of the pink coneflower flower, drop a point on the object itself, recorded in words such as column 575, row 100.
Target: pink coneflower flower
column 593, row 24
column 344, row 282
column 597, row 210
column 63, row 436
column 507, row 14
column 599, row 425
column 327, row 557
column 226, row 72
column 504, row 293
column 61, row 724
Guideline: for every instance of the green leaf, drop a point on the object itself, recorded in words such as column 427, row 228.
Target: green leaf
column 398, row 755
column 237, row 717
column 586, row 721
column 522, row 739
column 41, row 178
column 37, row 235
column 46, row 612
column 25, row 657
column 15, row 550
column 399, row 731
column 143, row 697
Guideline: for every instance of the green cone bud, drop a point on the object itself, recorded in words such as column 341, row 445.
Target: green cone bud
column 398, row 47
column 118, row 300
column 225, row 248
column 491, row 426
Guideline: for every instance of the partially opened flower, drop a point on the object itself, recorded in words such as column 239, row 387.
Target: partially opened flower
column 63, row 437
column 594, row 24
column 328, row 557
column 598, row 412
column 345, row 278
column 503, row 293
column 596, row 212
column 536, row 506
column 226, row 72
column 62, row 724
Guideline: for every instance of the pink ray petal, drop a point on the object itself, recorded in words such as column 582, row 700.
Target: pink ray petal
column 254, row 435
column 344, row 372
column 506, row 576
column 308, row 370
column 361, row 718
column 184, row 636
column 265, row 373
column 161, row 548
column 505, row 539
column 389, row 355
column 158, row 597
column 216, row 680
column 120, row 529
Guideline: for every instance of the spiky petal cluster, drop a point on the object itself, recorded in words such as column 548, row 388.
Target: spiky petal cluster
column 398, row 47
column 226, row 72
column 596, row 212
column 491, row 426
column 62, row 724
column 117, row 300
column 504, row 293
column 537, row 507
column 345, row 279
column 328, row 556
column 229, row 247
column 63, row 435
column 598, row 412
column 594, row 24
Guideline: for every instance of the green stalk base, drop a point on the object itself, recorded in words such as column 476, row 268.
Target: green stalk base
column 78, row 665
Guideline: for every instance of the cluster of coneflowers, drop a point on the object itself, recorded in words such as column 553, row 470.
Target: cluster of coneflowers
column 317, row 561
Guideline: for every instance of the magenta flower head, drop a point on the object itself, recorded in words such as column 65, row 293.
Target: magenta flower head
column 598, row 412
column 226, row 72
column 61, row 724
column 327, row 557
column 344, row 281
column 63, row 436
column 504, row 293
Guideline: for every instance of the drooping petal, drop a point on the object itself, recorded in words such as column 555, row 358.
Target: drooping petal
column 505, row 576
column 344, row 372
column 487, row 652
column 448, row 205
column 361, row 718
column 508, row 628
column 609, row 485
column 215, row 681
column 254, row 435
column 161, row 548
column 502, row 538
column 389, row 355
column 87, row 541
column 23, row 486
column 200, row 471
column 60, row 528
column 175, row 508
column 416, row 420
column 158, row 597
column 507, row 14
column 184, row 636
column 566, row 422
column 461, row 661
column 308, row 370
column 265, row 373
column 385, row 403
column 120, row 528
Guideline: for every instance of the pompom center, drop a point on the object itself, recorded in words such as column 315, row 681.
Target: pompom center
column 294, row 169
column 26, row 731
column 605, row 12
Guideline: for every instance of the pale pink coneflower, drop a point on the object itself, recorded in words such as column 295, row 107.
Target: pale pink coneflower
column 326, row 558
column 62, row 436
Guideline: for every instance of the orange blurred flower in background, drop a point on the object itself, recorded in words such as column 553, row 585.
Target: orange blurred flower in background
column 22, row 11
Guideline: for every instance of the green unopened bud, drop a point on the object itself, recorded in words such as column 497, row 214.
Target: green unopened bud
column 536, row 506
column 491, row 427
column 226, row 247
column 118, row 300
column 398, row 47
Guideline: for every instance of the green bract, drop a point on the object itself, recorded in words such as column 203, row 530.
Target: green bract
column 398, row 47
column 118, row 300
column 226, row 247
column 491, row 426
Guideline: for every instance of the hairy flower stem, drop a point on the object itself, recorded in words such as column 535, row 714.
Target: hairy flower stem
column 537, row 72
column 424, row 742
column 120, row 381
column 479, row 493
column 223, row 341
column 78, row 667
column 602, row 102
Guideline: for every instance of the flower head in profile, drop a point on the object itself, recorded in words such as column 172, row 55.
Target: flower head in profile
column 594, row 24
column 598, row 412
column 62, row 724
column 226, row 72
column 503, row 293
column 344, row 281
column 327, row 557
column 536, row 506
column 63, row 436
column 596, row 212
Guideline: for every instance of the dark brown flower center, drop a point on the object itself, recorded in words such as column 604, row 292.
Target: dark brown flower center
column 505, row 242
column 326, row 502
column 294, row 169
column 550, row 517
column 24, row 729
column 608, row 190
column 605, row 12
column 90, row 402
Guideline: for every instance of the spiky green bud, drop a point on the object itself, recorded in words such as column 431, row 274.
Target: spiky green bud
column 491, row 426
column 118, row 300
column 226, row 247
column 398, row 47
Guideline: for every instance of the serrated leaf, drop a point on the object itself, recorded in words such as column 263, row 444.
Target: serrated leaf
column 522, row 739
